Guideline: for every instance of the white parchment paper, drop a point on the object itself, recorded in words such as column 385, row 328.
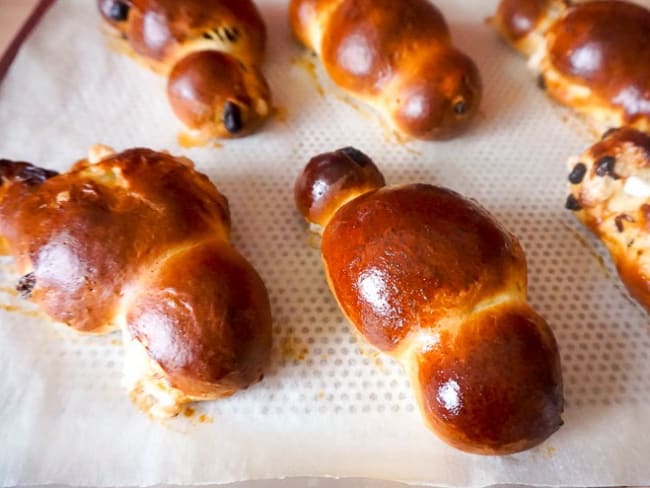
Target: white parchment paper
column 328, row 405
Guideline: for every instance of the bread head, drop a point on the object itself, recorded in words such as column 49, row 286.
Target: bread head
column 522, row 23
column 437, row 108
column 332, row 179
column 215, row 93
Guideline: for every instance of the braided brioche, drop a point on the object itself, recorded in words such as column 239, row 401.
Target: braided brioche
column 592, row 56
column 397, row 57
column 609, row 188
column 431, row 279
column 209, row 50
column 139, row 241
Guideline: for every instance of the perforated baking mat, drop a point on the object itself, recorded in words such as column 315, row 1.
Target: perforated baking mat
column 329, row 405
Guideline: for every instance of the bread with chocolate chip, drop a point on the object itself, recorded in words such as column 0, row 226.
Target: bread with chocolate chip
column 209, row 50
column 139, row 242
column 609, row 191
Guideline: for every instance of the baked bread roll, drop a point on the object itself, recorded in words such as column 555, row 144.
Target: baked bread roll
column 139, row 241
column 609, row 187
column 431, row 279
column 397, row 57
column 209, row 50
column 593, row 56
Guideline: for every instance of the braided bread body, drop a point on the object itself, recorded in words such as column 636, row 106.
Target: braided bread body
column 592, row 56
column 397, row 57
column 431, row 279
column 139, row 242
column 609, row 188
column 209, row 50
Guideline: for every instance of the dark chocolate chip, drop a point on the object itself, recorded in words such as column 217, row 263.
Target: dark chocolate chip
column 33, row 175
column 230, row 35
column 619, row 224
column 619, row 221
column 26, row 284
column 605, row 166
column 119, row 11
column 232, row 118
column 460, row 107
column 355, row 155
column 572, row 203
column 541, row 82
column 6, row 170
column 577, row 173
column 24, row 172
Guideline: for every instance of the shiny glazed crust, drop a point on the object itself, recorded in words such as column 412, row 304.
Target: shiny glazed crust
column 211, row 52
column 432, row 279
column 140, row 241
column 397, row 57
column 593, row 56
column 522, row 23
column 161, row 30
column 604, row 195
column 332, row 179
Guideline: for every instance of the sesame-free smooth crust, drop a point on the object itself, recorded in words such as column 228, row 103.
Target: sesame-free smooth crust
column 432, row 279
column 396, row 56
column 605, row 46
column 401, row 258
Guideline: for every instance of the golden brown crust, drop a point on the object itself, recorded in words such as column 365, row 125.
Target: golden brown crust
column 434, row 280
column 158, row 29
column 48, row 227
column 304, row 13
column 204, row 317
column 191, row 38
column 403, row 257
column 493, row 386
column 515, row 20
column 331, row 179
column 140, row 240
column 605, row 46
column 214, row 93
column 439, row 107
column 366, row 40
column 592, row 56
column 386, row 53
column 603, row 196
